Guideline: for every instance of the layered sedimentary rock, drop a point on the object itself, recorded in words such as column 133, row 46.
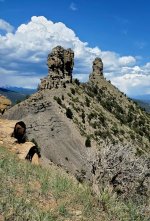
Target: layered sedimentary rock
column 60, row 65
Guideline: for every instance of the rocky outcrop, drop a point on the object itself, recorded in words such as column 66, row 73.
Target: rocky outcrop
column 97, row 70
column 5, row 103
column 119, row 152
column 60, row 65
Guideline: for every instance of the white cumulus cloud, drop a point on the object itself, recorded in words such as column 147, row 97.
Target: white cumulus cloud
column 6, row 26
column 23, row 55
column 127, row 60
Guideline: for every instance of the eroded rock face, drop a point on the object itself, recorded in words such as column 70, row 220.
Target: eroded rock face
column 98, row 66
column 97, row 70
column 60, row 65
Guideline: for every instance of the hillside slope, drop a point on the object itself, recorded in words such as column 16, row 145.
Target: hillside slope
column 92, row 130
column 30, row 192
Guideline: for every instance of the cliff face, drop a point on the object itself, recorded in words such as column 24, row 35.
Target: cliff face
column 92, row 130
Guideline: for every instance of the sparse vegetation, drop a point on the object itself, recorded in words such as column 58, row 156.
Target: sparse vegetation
column 115, row 129
column 33, row 193
column 92, row 115
column 96, row 102
column 87, row 101
column 72, row 91
column 75, row 99
column 30, row 192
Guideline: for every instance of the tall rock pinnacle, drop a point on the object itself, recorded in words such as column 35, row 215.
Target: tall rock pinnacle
column 60, row 65
column 97, row 70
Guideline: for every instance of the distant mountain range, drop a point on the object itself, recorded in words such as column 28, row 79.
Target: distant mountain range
column 21, row 90
column 144, row 97
column 16, row 94
column 143, row 101
column 144, row 104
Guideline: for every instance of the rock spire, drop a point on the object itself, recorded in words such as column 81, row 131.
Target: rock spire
column 60, row 65
column 97, row 70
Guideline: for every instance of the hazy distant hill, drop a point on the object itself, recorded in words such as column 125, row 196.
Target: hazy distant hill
column 16, row 94
column 143, row 101
column 25, row 91
column 144, row 97
column 144, row 104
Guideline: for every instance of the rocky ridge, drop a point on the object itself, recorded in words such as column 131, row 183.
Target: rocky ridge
column 92, row 130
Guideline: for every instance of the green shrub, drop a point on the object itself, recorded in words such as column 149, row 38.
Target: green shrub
column 132, row 135
column 75, row 99
column 88, row 142
column 122, row 132
column 102, row 119
column 92, row 115
column 83, row 117
column 72, row 91
column 63, row 211
column 95, row 89
column 94, row 125
column 115, row 130
column 69, row 113
column 58, row 100
column 62, row 97
column 87, row 101
column 77, row 82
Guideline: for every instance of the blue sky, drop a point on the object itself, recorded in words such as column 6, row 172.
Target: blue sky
column 116, row 30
